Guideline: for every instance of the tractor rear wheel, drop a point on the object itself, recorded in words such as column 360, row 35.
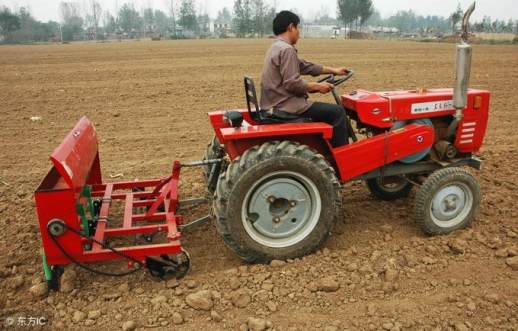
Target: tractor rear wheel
column 448, row 200
column 279, row 200
column 389, row 188
column 213, row 151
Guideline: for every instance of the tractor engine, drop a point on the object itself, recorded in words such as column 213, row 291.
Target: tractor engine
column 376, row 112
column 458, row 116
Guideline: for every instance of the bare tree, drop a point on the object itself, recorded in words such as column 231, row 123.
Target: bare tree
column 173, row 17
column 455, row 18
column 72, row 22
column 94, row 16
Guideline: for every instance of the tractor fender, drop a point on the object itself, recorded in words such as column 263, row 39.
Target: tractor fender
column 238, row 140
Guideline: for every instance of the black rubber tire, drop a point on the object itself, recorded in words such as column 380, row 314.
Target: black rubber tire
column 375, row 186
column 431, row 186
column 257, row 162
column 214, row 151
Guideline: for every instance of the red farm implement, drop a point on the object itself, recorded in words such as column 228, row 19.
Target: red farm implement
column 274, row 179
column 73, row 206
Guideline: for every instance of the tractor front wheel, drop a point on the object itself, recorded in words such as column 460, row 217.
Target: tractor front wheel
column 448, row 200
column 277, row 201
column 389, row 188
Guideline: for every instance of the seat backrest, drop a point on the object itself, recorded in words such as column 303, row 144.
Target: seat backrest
column 251, row 99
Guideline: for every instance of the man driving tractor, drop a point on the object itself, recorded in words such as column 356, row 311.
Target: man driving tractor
column 282, row 87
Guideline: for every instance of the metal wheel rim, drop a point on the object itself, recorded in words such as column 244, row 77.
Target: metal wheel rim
column 451, row 204
column 293, row 225
column 392, row 187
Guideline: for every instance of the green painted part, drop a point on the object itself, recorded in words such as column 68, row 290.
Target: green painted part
column 87, row 193
column 46, row 268
column 84, row 221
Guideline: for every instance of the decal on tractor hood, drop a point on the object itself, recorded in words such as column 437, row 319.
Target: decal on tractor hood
column 431, row 107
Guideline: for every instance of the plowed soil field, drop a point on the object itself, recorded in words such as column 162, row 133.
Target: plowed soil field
column 149, row 101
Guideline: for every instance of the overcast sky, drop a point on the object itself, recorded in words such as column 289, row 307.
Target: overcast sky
column 501, row 9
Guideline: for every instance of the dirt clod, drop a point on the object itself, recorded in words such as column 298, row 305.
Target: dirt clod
column 512, row 262
column 39, row 290
column 258, row 324
column 177, row 318
column 216, row 316
column 241, row 298
column 129, row 326
column 277, row 263
column 328, row 284
column 78, row 316
column 201, row 300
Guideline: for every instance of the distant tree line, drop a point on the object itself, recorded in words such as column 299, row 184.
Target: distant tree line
column 410, row 22
column 21, row 26
column 87, row 20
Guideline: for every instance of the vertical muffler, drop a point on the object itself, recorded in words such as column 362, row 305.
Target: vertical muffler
column 462, row 72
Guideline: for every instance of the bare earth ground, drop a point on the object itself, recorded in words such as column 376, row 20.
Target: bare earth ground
column 149, row 101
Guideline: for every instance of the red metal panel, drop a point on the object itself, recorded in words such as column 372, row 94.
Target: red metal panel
column 371, row 108
column 275, row 130
column 58, row 204
column 75, row 156
column 368, row 154
column 251, row 129
column 403, row 105
column 237, row 147
column 237, row 140
column 472, row 129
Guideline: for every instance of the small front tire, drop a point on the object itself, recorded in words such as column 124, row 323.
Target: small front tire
column 447, row 201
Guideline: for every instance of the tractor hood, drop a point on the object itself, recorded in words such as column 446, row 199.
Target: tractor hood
column 381, row 109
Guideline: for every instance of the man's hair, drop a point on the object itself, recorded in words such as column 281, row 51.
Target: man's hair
column 282, row 20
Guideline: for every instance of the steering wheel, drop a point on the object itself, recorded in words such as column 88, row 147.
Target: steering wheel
column 331, row 78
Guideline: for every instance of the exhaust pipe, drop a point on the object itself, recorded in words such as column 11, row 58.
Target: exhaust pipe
column 462, row 72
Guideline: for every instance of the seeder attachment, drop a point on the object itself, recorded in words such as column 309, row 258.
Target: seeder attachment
column 73, row 206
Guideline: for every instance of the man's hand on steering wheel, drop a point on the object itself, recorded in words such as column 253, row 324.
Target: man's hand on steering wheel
column 348, row 73
column 340, row 71
column 320, row 87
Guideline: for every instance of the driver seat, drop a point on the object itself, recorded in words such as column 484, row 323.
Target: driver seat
column 267, row 117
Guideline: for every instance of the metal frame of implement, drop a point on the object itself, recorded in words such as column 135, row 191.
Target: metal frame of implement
column 73, row 207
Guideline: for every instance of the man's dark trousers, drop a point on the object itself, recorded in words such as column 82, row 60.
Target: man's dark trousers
column 330, row 114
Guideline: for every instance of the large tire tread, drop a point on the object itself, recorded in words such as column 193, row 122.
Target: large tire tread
column 270, row 151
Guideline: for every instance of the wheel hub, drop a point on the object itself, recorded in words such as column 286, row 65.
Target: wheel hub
column 279, row 210
column 449, row 202
column 392, row 183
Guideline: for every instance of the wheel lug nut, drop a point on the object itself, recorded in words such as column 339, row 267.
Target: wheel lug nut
column 276, row 220
column 271, row 199
column 293, row 203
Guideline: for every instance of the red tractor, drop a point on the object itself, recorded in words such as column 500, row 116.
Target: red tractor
column 278, row 196
column 274, row 178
